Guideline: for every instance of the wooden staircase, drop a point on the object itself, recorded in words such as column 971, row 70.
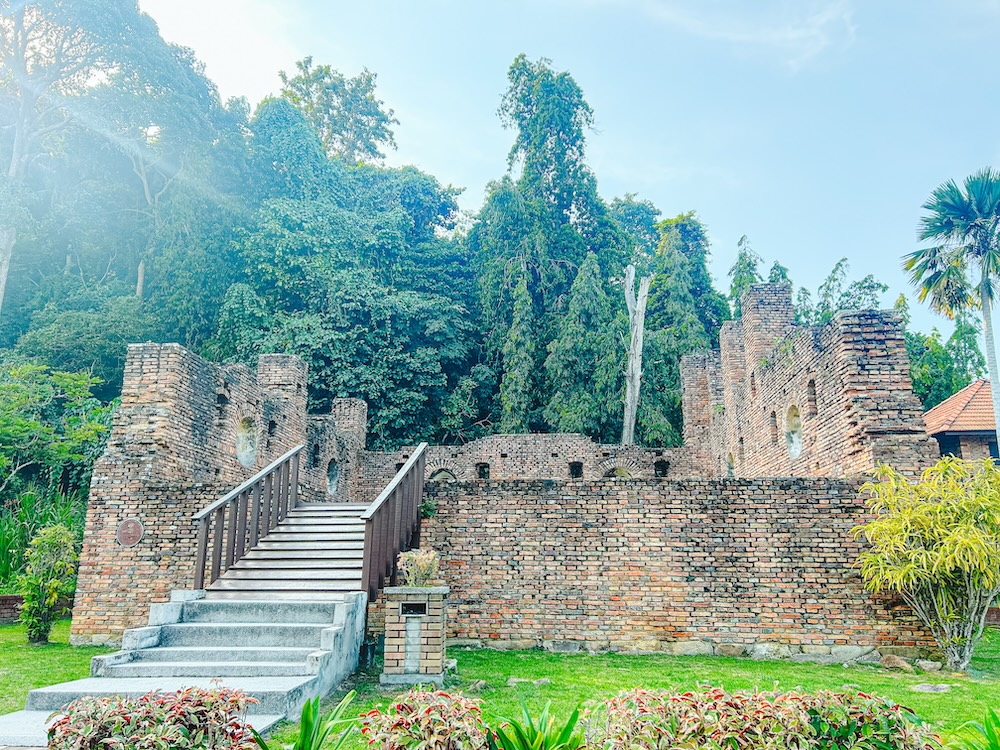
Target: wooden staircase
column 316, row 552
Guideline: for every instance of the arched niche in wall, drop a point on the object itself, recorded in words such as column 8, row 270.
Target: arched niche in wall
column 575, row 469
column 730, row 466
column 332, row 478
column 246, row 442
column 811, row 407
column 793, row 432
column 661, row 468
column 618, row 471
column 443, row 475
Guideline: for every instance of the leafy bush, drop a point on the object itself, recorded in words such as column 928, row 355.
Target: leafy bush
column 418, row 567
column 545, row 735
column 428, row 721
column 191, row 718
column 314, row 730
column 49, row 577
column 32, row 510
column 642, row 719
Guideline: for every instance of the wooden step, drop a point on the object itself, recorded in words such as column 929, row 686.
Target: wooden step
column 282, row 551
column 259, row 563
column 225, row 584
column 318, row 547
column 284, row 574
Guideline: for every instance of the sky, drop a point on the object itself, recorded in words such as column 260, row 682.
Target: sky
column 815, row 127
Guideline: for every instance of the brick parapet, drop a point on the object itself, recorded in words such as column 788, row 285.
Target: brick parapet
column 642, row 564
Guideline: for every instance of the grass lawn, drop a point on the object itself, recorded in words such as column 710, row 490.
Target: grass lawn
column 581, row 677
column 23, row 667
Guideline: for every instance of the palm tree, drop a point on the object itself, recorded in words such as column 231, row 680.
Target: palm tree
column 965, row 225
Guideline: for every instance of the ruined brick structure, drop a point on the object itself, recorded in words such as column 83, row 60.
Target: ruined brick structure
column 555, row 539
column 188, row 431
column 780, row 399
column 687, row 566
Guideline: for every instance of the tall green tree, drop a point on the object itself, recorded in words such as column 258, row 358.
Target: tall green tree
column 959, row 271
column 744, row 272
column 51, row 53
column 582, row 363
column 835, row 295
column 352, row 123
column 519, row 392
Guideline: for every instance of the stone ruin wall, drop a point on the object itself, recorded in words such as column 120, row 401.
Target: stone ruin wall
column 848, row 380
column 171, row 452
column 681, row 566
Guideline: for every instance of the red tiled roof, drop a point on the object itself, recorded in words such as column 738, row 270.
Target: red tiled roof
column 969, row 410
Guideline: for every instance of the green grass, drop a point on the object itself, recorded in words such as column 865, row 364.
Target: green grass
column 23, row 667
column 587, row 678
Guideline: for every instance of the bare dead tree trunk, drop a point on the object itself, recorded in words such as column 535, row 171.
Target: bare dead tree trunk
column 140, row 282
column 633, row 369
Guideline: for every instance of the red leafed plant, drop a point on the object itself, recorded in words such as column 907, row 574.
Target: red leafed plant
column 429, row 720
column 650, row 720
column 191, row 718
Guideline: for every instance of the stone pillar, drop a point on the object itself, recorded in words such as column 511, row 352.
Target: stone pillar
column 416, row 620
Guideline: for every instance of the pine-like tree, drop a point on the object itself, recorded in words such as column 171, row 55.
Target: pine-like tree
column 518, row 387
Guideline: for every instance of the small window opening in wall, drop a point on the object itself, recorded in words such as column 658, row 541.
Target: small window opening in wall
column 483, row 471
column 730, row 466
column 503, row 455
column 774, row 427
column 399, row 466
column 793, row 432
column 314, row 456
column 811, row 408
column 753, row 386
column 555, row 455
column 412, row 609
column 739, row 450
column 272, row 427
column 660, row 468
column 246, row 442
column 332, row 478
column 221, row 399
column 575, row 469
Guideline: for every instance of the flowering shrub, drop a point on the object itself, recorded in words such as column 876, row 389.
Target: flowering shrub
column 418, row 567
column 755, row 721
column 429, row 721
column 192, row 718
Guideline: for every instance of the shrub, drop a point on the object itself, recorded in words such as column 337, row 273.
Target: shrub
column 418, row 567
column 428, row 721
column 314, row 731
column 544, row 734
column 648, row 720
column 936, row 542
column 192, row 718
column 50, row 575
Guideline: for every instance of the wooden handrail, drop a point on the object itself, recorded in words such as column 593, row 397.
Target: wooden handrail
column 237, row 521
column 392, row 522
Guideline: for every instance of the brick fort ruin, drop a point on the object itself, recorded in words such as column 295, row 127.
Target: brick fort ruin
column 738, row 542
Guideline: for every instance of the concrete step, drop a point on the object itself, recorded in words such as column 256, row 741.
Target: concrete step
column 318, row 547
column 303, row 536
column 145, row 669
column 328, row 507
column 227, row 634
column 275, row 694
column 281, row 572
column 282, row 551
column 302, row 586
column 322, row 522
column 237, row 654
column 302, row 612
column 241, row 595
column 302, row 563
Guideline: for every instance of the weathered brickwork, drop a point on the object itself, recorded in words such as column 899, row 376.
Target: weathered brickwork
column 415, row 643
column 10, row 607
column 648, row 564
column 779, row 399
column 183, row 435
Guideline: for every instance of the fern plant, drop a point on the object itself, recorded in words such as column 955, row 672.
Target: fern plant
column 314, row 731
column 544, row 734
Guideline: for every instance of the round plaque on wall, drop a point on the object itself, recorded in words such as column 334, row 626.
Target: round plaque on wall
column 130, row 532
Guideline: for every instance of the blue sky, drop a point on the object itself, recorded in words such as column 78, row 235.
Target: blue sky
column 815, row 127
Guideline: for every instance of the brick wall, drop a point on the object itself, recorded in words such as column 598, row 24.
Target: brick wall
column 172, row 451
column 646, row 564
column 10, row 607
column 779, row 399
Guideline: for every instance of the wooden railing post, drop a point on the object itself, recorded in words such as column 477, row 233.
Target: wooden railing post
column 236, row 523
